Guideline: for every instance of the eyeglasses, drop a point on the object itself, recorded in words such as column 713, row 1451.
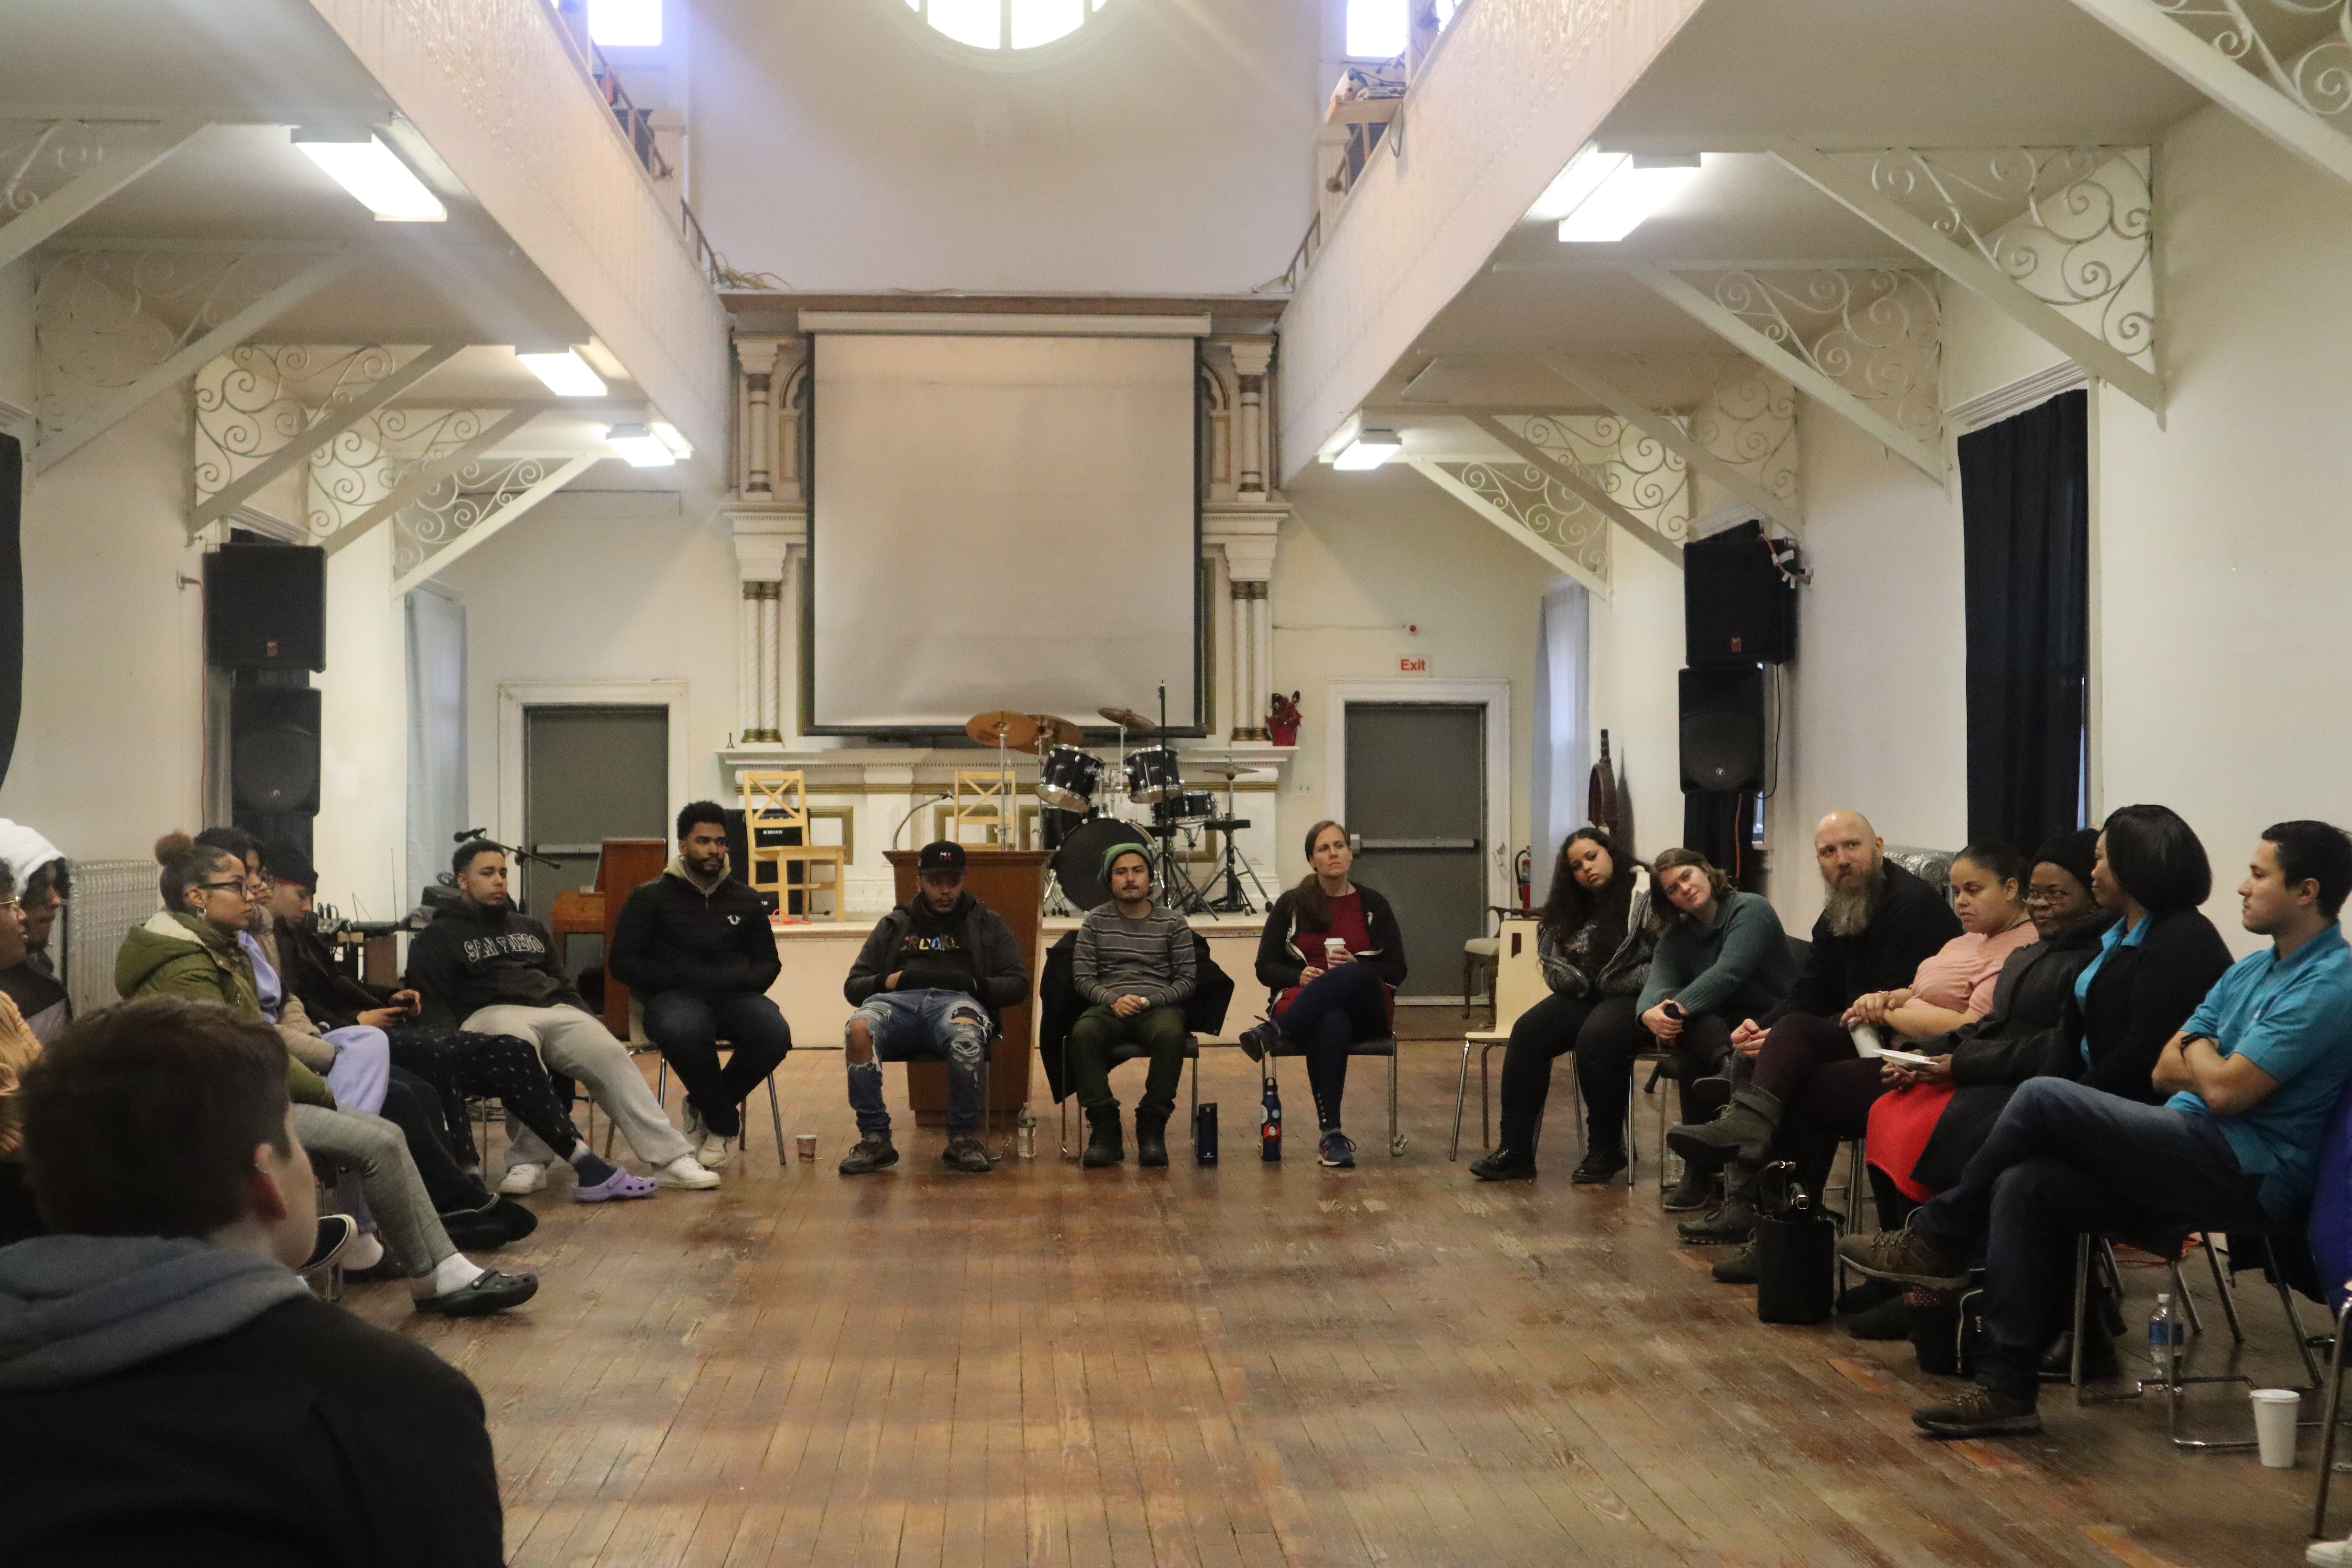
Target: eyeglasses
column 238, row 887
column 11, row 904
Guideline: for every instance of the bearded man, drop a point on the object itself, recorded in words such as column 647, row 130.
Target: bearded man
column 1878, row 921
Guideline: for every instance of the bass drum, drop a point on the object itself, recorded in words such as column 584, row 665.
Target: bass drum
column 1077, row 864
column 1057, row 825
column 1069, row 778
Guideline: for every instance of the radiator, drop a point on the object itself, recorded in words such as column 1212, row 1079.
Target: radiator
column 110, row 896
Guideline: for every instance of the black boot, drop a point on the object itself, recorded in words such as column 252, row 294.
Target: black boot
column 1697, row 1189
column 1150, row 1134
column 1743, row 1129
column 1734, row 1220
column 1103, row 1145
column 1505, row 1164
column 1601, row 1163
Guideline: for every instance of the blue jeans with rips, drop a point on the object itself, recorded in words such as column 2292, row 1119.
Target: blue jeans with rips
column 921, row 1025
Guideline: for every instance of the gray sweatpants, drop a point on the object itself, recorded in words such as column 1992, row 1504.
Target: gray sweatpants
column 396, row 1193
column 579, row 1047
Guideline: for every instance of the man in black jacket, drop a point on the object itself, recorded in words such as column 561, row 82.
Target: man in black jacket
column 169, row 1391
column 1878, row 923
column 931, row 981
column 695, row 946
column 484, row 966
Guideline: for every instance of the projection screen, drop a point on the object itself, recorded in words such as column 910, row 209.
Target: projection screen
column 1000, row 522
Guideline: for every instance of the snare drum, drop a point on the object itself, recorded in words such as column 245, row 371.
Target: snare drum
column 1152, row 775
column 1069, row 778
column 1185, row 806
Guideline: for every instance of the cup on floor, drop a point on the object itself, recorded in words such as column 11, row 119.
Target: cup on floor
column 805, row 1143
column 2275, row 1410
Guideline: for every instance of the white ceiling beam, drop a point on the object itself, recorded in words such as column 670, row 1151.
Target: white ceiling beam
column 1853, row 191
column 480, row 532
column 2227, row 83
column 1670, row 435
column 1728, row 325
column 93, row 185
column 1575, row 479
column 1552, row 555
column 333, row 422
column 427, row 474
column 184, row 364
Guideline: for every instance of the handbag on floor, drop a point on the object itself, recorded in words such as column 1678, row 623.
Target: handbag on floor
column 1796, row 1250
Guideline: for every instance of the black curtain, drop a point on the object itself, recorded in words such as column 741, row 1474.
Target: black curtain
column 12, row 597
column 2025, row 512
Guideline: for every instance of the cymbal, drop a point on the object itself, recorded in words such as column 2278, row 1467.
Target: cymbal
column 1051, row 731
column 1225, row 770
column 1128, row 719
column 1019, row 730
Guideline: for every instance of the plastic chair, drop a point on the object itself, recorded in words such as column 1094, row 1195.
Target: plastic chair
column 1518, row 985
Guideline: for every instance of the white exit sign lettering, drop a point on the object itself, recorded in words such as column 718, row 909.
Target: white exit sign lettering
column 1413, row 667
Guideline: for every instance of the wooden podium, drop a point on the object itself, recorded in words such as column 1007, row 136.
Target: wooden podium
column 595, row 911
column 1008, row 881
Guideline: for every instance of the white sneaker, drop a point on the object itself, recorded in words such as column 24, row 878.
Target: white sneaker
column 711, row 1151
column 2328, row 1553
column 523, row 1179
column 686, row 1171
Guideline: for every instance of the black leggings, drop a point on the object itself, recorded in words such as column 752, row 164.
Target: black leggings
column 409, row 1104
column 1557, row 1024
column 1331, row 1013
column 1605, row 1049
column 461, row 1065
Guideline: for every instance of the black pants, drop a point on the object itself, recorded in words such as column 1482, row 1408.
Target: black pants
column 19, row 1220
column 1605, row 1050
column 409, row 1104
column 459, row 1064
column 687, row 1027
column 1557, row 1024
column 1331, row 1013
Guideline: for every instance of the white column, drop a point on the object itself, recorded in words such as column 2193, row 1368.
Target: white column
column 1249, row 563
column 1251, row 356
column 763, row 541
column 755, row 474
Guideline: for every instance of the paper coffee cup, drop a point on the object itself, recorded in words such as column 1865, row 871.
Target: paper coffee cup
column 2275, row 1410
column 805, row 1143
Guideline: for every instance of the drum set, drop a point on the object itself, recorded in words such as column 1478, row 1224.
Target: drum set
column 1081, row 819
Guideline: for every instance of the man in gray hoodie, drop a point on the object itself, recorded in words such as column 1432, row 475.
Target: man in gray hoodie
column 170, row 1391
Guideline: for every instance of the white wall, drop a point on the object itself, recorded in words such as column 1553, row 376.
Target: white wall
column 839, row 150
column 109, row 748
column 2221, row 544
column 360, row 839
column 603, row 586
column 1363, row 556
column 1637, row 647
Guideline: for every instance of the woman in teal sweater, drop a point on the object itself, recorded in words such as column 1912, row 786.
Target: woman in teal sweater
column 1721, row 957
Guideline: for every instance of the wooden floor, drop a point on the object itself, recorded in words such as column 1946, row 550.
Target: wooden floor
column 1257, row 1364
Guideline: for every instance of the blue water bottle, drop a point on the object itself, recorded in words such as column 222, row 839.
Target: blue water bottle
column 1204, row 1133
column 2166, row 1335
column 1269, row 1130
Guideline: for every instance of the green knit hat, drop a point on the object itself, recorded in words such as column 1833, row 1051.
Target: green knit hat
column 1111, row 854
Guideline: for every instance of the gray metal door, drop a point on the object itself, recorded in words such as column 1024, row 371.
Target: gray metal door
column 589, row 773
column 1417, row 804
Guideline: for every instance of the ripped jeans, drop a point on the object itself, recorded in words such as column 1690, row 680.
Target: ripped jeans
column 921, row 1025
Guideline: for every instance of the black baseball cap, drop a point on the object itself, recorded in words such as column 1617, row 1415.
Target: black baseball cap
column 286, row 863
column 941, row 855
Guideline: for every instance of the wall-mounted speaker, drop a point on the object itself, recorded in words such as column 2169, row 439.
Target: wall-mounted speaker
column 1722, row 726
column 273, row 756
column 1737, row 608
column 266, row 607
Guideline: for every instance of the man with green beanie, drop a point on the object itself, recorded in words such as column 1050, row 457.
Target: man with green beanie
column 1134, row 968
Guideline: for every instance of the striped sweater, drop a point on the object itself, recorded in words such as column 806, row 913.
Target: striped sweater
column 1150, row 958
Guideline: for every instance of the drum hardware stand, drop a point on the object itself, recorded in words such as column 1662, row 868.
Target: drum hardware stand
column 1169, row 870
column 1235, row 898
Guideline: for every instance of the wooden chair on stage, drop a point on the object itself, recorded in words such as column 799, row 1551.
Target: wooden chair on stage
column 785, row 857
column 980, row 804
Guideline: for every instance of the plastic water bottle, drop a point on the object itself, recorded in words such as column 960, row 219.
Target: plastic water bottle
column 2166, row 1334
column 1027, row 1130
column 1204, row 1133
column 1269, row 1130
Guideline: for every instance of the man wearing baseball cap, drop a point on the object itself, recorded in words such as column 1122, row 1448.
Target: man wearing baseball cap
column 1133, row 964
column 930, row 982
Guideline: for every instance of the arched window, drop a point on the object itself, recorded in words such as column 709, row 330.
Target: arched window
column 1007, row 24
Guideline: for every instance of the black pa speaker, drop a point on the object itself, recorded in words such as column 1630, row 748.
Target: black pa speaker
column 273, row 749
column 1723, row 728
column 266, row 607
column 1737, row 608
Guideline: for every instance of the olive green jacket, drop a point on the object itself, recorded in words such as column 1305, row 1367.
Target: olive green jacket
column 180, row 955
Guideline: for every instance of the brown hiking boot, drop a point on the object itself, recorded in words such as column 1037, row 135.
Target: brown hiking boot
column 1979, row 1412
column 1905, row 1257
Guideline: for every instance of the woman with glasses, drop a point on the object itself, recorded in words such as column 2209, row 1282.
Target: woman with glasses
column 190, row 950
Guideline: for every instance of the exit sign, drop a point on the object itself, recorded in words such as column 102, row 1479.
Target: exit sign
column 1413, row 667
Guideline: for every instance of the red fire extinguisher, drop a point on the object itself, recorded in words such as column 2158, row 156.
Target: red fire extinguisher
column 1523, row 866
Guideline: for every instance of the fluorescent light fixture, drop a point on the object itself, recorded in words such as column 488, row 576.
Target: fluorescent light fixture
column 1628, row 196
column 566, row 373
column 1573, row 184
column 668, row 435
column 638, row 447
column 1370, row 449
column 626, row 24
column 372, row 171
